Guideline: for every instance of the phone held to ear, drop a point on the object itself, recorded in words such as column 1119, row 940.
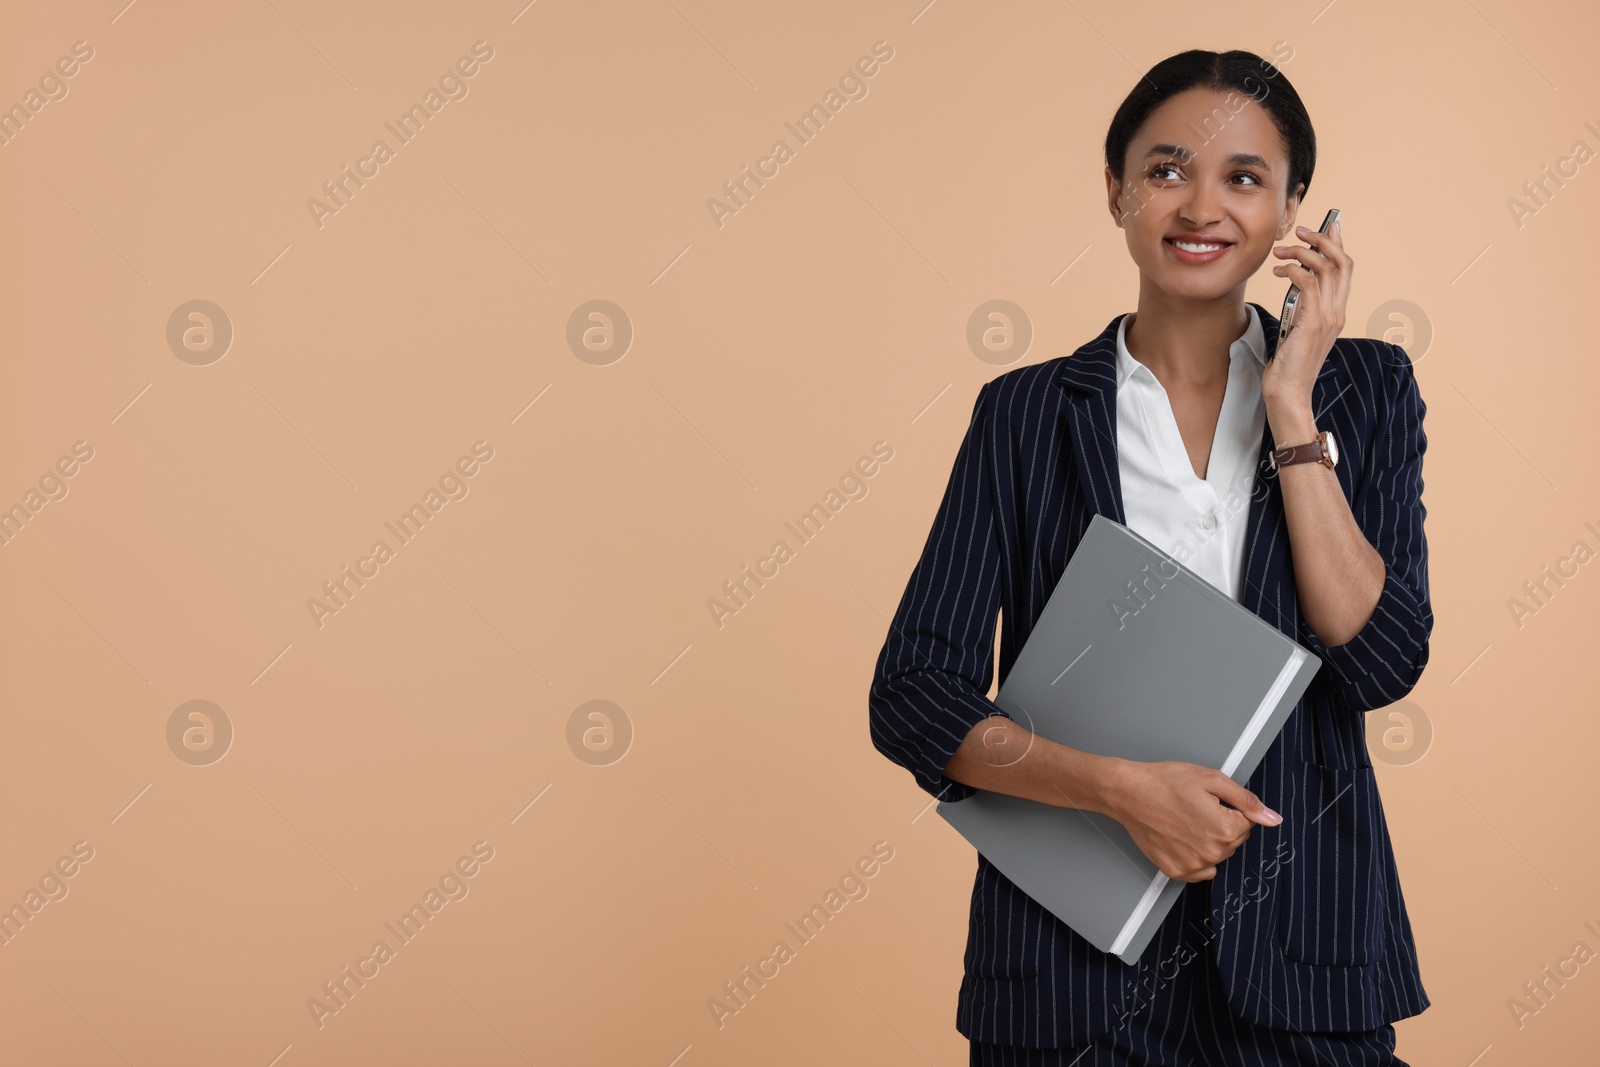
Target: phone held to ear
column 1291, row 302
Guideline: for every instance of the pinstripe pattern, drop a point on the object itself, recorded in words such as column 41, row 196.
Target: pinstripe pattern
column 1328, row 946
column 1184, row 1020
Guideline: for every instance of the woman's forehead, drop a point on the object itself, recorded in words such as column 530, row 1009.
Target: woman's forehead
column 1199, row 126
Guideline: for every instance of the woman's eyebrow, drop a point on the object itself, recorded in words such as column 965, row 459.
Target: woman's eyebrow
column 1238, row 159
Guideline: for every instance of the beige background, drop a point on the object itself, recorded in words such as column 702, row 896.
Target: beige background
column 768, row 355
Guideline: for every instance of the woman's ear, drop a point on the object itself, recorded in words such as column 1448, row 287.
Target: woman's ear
column 1114, row 197
column 1291, row 211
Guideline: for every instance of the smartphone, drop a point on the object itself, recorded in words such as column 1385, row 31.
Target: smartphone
column 1291, row 302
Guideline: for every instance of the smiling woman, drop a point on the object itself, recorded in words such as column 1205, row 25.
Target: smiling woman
column 1160, row 423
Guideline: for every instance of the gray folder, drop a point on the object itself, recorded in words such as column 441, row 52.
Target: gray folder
column 1139, row 657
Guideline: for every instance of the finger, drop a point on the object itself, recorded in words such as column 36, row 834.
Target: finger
column 1310, row 284
column 1237, row 822
column 1202, row 876
column 1230, row 792
column 1329, row 245
column 1309, row 259
column 1303, row 276
column 1244, row 801
column 1318, row 292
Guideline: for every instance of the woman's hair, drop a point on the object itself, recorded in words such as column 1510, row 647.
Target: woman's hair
column 1243, row 72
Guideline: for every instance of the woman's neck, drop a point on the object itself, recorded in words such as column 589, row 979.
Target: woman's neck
column 1186, row 344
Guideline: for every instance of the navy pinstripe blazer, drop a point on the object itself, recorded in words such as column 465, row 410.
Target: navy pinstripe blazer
column 1308, row 922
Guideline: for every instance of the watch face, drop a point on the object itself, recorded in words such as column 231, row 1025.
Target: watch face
column 1333, row 449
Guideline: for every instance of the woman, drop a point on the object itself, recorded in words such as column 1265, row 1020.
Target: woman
column 1287, row 474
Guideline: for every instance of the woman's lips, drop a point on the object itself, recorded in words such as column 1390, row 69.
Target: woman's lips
column 1195, row 257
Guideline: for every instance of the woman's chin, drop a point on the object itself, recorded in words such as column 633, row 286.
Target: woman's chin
column 1191, row 287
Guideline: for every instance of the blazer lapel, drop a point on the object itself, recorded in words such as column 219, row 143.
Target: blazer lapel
column 1089, row 378
column 1266, row 560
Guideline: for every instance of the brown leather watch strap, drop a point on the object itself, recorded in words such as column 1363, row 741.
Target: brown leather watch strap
column 1306, row 453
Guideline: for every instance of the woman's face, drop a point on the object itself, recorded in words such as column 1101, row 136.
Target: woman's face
column 1212, row 167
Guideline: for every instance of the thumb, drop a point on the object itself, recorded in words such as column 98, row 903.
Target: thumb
column 1247, row 803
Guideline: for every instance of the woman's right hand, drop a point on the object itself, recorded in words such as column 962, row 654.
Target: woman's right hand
column 1185, row 817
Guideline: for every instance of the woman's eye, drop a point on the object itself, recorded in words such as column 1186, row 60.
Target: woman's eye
column 1159, row 172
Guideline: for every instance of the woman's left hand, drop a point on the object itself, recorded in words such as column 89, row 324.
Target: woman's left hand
column 1323, row 274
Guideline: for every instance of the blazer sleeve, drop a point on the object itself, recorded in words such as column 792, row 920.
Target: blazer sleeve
column 1384, row 660
column 932, row 678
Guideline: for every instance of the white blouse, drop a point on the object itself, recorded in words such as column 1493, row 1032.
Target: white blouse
column 1200, row 521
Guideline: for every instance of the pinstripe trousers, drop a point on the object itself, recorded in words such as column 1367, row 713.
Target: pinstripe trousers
column 1181, row 1017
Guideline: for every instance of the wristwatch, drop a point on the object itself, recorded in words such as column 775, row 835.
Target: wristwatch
column 1324, row 450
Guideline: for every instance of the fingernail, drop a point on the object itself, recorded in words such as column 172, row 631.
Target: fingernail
column 1274, row 816
column 1338, row 226
column 1302, row 229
